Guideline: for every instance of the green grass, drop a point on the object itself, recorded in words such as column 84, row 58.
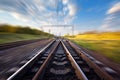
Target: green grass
column 109, row 48
column 12, row 37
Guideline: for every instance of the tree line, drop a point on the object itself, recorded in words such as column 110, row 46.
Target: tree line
column 21, row 30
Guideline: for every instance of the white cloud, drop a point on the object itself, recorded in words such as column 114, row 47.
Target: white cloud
column 65, row 2
column 72, row 9
column 40, row 12
column 112, row 21
column 2, row 22
column 19, row 17
column 115, row 8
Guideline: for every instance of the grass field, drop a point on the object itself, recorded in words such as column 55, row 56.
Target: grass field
column 107, row 44
column 12, row 37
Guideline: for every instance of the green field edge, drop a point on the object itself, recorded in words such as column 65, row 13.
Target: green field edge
column 109, row 49
column 13, row 37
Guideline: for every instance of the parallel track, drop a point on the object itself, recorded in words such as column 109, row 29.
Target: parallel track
column 17, row 43
column 59, row 61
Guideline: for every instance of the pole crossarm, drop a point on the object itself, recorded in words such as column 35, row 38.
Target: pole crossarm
column 72, row 26
column 57, row 25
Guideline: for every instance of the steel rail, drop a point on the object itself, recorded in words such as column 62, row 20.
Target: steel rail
column 78, row 70
column 30, row 61
column 43, row 66
column 97, row 69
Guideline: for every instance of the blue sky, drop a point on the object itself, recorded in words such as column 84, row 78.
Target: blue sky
column 85, row 15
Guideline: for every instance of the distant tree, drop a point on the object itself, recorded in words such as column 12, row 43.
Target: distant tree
column 22, row 30
column 90, row 32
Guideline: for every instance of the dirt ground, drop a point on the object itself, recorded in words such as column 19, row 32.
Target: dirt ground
column 11, row 57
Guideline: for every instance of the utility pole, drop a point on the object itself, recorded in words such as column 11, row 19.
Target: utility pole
column 41, row 28
column 49, row 31
column 72, row 30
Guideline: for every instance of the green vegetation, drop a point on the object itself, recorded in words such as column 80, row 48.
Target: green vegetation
column 108, row 48
column 106, row 43
column 21, row 30
column 10, row 33
column 12, row 37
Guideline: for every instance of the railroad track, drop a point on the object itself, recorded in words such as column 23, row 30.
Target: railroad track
column 59, row 60
column 17, row 43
